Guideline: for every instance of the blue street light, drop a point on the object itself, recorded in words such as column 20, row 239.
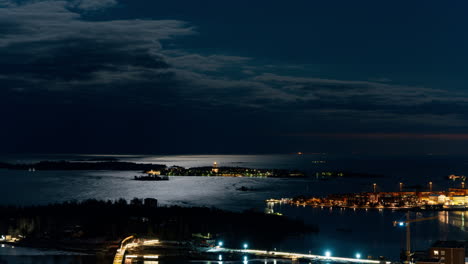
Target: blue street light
column 327, row 254
column 358, row 255
column 401, row 224
column 246, row 245
column 220, row 243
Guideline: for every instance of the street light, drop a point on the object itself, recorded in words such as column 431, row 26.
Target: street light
column 220, row 243
column 375, row 187
column 358, row 255
column 246, row 245
column 327, row 254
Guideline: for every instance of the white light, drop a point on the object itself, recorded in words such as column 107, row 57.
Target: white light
column 358, row 255
column 327, row 254
column 220, row 243
column 220, row 257
column 401, row 224
column 245, row 245
column 155, row 241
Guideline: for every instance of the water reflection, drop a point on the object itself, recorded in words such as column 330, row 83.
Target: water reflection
column 370, row 232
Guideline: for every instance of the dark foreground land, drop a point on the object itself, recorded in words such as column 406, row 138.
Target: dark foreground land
column 97, row 227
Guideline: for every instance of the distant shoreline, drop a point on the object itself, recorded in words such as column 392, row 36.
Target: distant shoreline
column 150, row 168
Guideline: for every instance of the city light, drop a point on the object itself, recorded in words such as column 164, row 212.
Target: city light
column 220, row 243
column 327, row 254
column 153, row 241
column 401, row 224
column 246, row 245
column 358, row 255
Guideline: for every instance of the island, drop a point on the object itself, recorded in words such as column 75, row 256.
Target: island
column 154, row 171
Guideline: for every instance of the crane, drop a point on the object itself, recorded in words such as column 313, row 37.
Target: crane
column 408, row 236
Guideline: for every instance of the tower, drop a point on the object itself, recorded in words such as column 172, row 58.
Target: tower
column 215, row 168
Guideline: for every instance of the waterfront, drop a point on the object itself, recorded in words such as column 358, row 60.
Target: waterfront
column 370, row 232
column 54, row 186
column 358, row 228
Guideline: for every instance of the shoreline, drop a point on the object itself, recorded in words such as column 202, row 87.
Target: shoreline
column 412, row 209
column 153, row 169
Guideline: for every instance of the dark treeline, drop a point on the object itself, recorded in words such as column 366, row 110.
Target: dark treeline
column 80, row 165
column 113, row 220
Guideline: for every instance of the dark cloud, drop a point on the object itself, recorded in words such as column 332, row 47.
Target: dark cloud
column 61, row 68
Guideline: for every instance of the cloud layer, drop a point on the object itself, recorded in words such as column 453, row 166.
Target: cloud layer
column 52, row 55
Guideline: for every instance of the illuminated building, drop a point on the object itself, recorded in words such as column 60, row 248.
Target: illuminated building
column 215, row 168
column 459, row 200
column 153, row 172
column 441, row 199
column 448, row 252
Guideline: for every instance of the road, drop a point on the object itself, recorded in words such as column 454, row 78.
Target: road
column 128, row 243
column 291, row 255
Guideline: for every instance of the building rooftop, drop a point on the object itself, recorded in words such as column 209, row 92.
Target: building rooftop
column 449, row 244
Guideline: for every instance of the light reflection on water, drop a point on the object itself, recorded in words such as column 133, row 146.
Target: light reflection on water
column 370, row 232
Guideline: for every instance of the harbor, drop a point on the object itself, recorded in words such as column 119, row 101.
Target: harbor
column 451, row 199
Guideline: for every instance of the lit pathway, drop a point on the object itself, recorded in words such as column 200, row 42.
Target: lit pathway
column 119, row 256
column 290, row 255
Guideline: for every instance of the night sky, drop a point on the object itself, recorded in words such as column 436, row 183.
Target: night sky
column 166, row 77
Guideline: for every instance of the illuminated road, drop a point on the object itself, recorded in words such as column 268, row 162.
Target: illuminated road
column 291, row 255
column 119, row 256
column 128, row 244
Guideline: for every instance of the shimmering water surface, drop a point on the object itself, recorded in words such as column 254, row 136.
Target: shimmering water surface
column 342, row 231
